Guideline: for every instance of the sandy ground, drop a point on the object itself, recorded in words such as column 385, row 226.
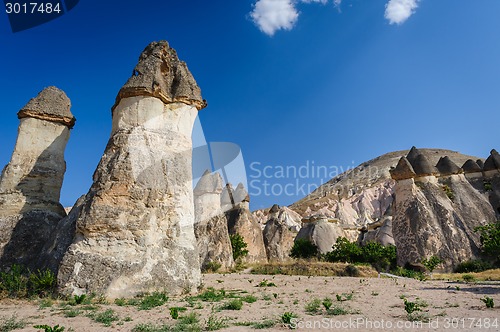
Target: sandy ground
column 376, row 305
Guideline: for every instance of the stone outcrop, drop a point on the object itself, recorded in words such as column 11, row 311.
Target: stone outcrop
column 492, row 162
column 135, row 229
column 279, row 234
column 470, row 166
column 446, row 167
column 30, row 184
column 241, row 221
column 212, row 235
column 321, row 232
column 403, row 170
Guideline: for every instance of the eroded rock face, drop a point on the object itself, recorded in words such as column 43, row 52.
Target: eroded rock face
column 322, row 233
column 30, row 184
column 241, row 221
column 210, row 226
column 135, row 230
column 427, row 221
column 279, row 233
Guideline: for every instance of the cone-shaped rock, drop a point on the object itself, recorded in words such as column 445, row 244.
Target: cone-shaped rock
column 403, row 170
column 446, row 166
column 493, row 161
column 480, row 163
column 413, row 154
column 30, row 184
column 161, row 74
column 470, row 166
column 135, row 230
column 422, row 166
column 210, row 227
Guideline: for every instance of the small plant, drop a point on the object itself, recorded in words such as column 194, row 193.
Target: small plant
column 212, row 267
column 487, row 186
column 287, row 317
column 213, row 323
column 411, row 307
column 45, row 303
column 304, row 249
column 106, row 317
column 267, row 324
column 447, row 190
column 374, row 293
column 352, row 271
column 238, row 245
column 344, row 297
column 12, row 323
column 337, row 311
column 47, row 328
column 313, row 306
column 468, row 278
column 72, row 313
column 249, row 299
column 153, row 300
column 174, row 312
column 235, row 304
column 327, row 303
column 431, row 263
column 265, row 283
column 488, row 301
column 79, row 299
column 121, row 302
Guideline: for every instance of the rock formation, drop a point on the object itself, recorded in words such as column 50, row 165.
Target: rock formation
column 241, row 221
column 31, row 183
column 321, row 232
column 210, row 226
column 435, row 213
column 279, row 234
column 134, row 231
column 470, row 166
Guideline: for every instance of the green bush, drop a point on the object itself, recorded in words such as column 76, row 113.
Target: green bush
column 490, row 241
column 473, row 266
column 21, row 282
column 235, row 304
column 380, row 257
column 488, row 301
column 47, row 328
column 238, row 244
column 407, row 273
column 304, row 249
column 153, row 300
column 431, row 263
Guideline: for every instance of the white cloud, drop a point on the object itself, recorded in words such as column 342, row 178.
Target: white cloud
column 398, row 11
column 273, row 15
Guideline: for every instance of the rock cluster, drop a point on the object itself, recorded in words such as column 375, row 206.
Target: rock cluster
column 30, row 184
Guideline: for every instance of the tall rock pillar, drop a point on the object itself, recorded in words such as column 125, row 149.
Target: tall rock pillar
column 134, row 232
column 30, row 184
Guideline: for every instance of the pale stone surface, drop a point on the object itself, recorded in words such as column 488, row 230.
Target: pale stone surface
column 210, row 226
column 135, row 230
column 279, row 233
column 30, row 184
column 322, row 233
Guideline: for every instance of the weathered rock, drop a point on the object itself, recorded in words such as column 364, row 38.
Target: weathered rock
column 321, row 233
column 161, row 74
column 427, row 222
column 382, row 234
column 403, row 170
column 278, row 239
column 492, row 162
column 135, row 230
column 480, row 163
column 210, row 226
column 241, row 221
column 423, row 167
column 471, row 166
column 446, row 167
column 30, row 184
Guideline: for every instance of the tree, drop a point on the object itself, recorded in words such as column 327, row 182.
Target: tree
column 304, row 249
column 490, row 241
column 431, row 263
column 238, row 244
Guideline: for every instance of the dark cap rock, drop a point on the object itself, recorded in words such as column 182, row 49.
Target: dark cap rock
column 470, row 166
column 51, row 104
column 493, row 161
column 159, row 73
column 403, row 170
column 422, row 166
column 446, row 166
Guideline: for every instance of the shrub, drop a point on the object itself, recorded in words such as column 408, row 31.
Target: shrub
column 235, row 304
column 488, row 301
column 407, row 273
column 431, row 263
column 468, row 278
column 238, row 244
column 287, row 317
column 473, row 266
column 352, row 271
column 313, row 306
column 12, row 323
column 304, row 249
column 447, row 190
column 380, row 257
column 47, row 328
column 327, row 303
column 21, row 282
column 106, row 317
column 213, row 323
column 153, row 300
column 212, row 267
column 490, row 241
column 174, row 312
column 411, row 307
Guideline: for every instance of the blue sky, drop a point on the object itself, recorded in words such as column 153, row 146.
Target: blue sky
column 292, row 82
